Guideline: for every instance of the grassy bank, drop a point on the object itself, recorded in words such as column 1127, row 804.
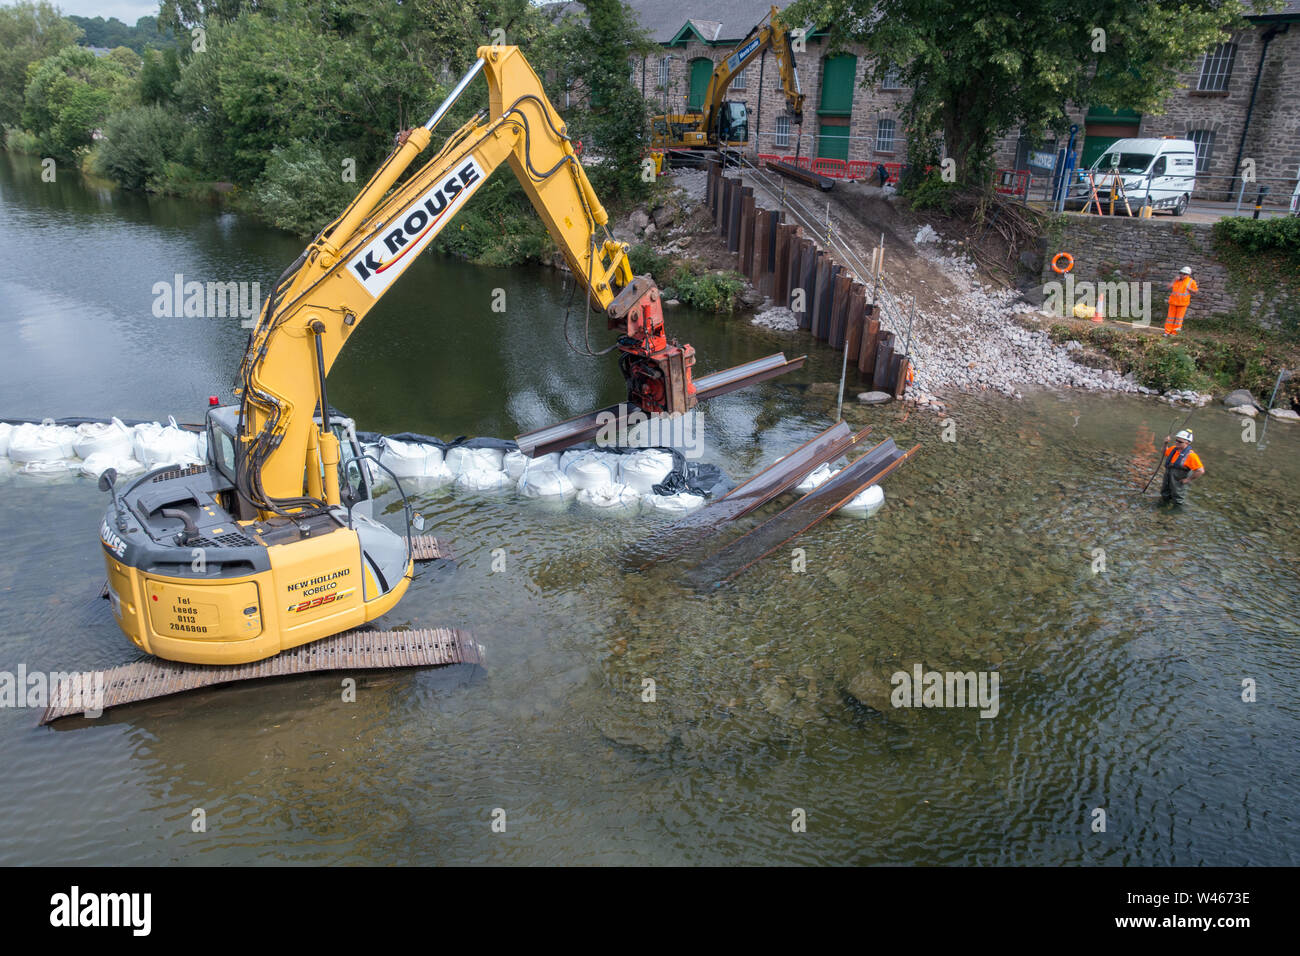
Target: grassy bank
column 1209, row 355
column 688, row 281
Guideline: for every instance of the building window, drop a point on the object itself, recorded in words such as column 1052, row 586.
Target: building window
column 631, row 68
column 1204, row 140
column 738, row 81
column 1216, row 68
column 884, row 136
column 663, row 73
column 893, row 79
column 783, row 132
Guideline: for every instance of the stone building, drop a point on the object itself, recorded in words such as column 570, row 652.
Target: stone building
column 1237, row 101
column 842, row 118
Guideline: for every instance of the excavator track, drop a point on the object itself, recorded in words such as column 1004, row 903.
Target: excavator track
column 352, row 650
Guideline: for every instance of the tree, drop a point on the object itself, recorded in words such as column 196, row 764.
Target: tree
column 981, row 68
column 588, row 63
column 159, row 74
column 28, row 32
column 68, row 97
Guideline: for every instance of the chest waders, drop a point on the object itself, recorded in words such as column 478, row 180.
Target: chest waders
column 1173, row 488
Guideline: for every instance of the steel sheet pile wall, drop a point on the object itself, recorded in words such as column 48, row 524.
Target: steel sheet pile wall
column 828, row 299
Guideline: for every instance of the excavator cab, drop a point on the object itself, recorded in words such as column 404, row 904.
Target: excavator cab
column 733, row 123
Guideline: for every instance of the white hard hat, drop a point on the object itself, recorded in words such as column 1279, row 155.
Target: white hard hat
column 1184, row 435
column 1186, row 270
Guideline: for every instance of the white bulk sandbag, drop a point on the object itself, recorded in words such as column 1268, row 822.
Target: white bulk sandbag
column 44, row 442
column 437, row 476
column 103, row 437
column 612, row 497
column 461, row 459
column 592, row 469
column 514, row 463
column 818, row 476
column 672, row 504
column 96, row 463
column 5, row 431
column 644, row 469
column 157, row 445
column 865, row 504
column 410, row 459
column 483, row 479
column 542, row 479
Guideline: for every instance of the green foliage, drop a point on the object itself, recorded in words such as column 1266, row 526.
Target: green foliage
column 113, row 33
column 587, row 58
column 160, row 71
column 20, row 141
column 1226, row 354
column 1262, row 257
column 301, row 191
column 1279, row 236
column 28, row 32
column 68, row 97
column 930, row 192
column 337, row 79
column 137, row 145
column 707, row 291
column 645, row 259
column 497, row 228
column 979, row 70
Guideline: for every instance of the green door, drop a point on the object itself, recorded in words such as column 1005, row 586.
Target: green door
column 838, row 76
column 701, row 71
column 833, row 142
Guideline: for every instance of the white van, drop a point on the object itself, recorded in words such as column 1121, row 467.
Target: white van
column 1156, row 172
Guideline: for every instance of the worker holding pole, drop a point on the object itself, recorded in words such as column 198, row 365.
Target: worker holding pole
column 1179, row 299
column 1182, row 466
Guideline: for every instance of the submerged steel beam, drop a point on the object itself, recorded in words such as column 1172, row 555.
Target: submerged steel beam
column 779, row 477
column 749, row 549
column 585, row 427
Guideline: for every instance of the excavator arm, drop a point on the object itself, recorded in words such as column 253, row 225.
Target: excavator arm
column 320, row 300
column 773, row 35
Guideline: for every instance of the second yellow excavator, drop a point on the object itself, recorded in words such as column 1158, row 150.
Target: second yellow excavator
column 271, row 543
column 721, row 122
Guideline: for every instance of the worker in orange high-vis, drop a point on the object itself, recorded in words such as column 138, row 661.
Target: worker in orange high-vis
column 1182, row 466
column 1179, row 299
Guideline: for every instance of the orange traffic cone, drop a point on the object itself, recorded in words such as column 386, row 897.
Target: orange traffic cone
column 1100, row 314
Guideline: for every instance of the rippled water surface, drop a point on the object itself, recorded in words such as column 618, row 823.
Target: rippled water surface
column 1119, row 690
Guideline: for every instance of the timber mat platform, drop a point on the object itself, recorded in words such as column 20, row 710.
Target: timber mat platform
column 352, row 650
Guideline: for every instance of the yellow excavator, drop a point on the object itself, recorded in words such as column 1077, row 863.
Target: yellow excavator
column 272, row 543
column 722, row 122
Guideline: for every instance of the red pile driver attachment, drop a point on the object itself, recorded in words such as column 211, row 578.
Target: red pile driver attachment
column 658, row 373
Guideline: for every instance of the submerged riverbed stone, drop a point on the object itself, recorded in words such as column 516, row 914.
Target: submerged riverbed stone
column 1244, row 410
column 874, row 398
column 1284, row 414
column 871, row 690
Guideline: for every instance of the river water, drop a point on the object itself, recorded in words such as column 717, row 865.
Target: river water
column 1119, row 689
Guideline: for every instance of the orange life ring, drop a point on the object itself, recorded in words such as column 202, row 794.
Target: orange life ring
column 1069, row 263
